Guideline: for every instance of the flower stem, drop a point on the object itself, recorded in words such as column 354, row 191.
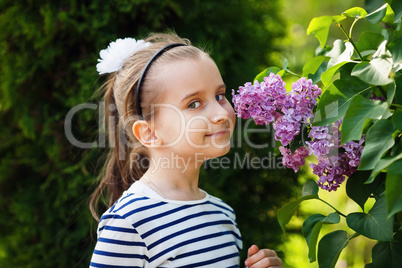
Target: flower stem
column 349, row 37
column 396, row 105
column 337, row 211
column 351, row 27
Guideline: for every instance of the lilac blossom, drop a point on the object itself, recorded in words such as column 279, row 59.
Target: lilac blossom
column 286, row 129
column 268, row 102
column 260, row 100
column 296, row 160
column 303, row 99
column 320, row 143
column 333, row 166
column 353, row 151
column 331, row 171
column 297, row 108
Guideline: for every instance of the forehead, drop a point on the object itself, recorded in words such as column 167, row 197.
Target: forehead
column 182, row 77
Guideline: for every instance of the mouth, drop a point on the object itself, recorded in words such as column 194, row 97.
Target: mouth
column 218, row 133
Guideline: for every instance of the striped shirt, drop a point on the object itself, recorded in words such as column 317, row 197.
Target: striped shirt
column 142, row 229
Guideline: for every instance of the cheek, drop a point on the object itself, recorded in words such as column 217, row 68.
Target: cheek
column 169, row 124
column 197, row 125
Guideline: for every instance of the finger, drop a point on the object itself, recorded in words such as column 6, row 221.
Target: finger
column 252, row 250
column 271, row 262
column 267, row 256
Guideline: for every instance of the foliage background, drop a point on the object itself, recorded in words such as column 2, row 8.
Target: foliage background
column 48, row 52
column 359, row 251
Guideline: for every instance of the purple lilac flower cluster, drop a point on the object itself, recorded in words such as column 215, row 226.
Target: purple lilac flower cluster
column 295, row 160
column 334, row 165
column 297, row 109
column 268, row 102
column 261, row 100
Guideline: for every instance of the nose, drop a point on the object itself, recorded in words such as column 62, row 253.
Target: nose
column 219, row 114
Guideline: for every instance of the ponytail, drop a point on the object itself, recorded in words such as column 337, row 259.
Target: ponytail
column 120, row 170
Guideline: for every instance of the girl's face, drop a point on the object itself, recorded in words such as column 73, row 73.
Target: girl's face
column 194, row 119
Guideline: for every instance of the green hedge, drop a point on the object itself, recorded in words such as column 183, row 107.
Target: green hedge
column 48, row 53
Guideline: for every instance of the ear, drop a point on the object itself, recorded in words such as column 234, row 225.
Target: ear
column 143, row 132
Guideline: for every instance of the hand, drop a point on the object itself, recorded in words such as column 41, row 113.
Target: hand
column 263, row 258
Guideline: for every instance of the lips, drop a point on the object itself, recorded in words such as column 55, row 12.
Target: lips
column 218, row 133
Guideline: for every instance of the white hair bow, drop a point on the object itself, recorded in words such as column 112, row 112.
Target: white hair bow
column 113, row 57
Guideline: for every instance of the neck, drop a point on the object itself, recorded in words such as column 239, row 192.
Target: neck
column 174, row 177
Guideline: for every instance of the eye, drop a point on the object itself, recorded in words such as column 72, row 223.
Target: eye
column 220, row 96
column 194, row 104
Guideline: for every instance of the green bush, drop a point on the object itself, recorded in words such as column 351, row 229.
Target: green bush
column 48, row 55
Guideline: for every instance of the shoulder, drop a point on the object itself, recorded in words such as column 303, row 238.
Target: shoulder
column 219, row 203
column 132, row 203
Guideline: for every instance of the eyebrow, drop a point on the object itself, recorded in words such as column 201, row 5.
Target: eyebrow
column 197, row 92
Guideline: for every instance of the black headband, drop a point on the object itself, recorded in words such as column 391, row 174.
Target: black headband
column 154, row 57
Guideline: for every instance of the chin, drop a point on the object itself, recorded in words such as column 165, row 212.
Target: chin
column 222, row 151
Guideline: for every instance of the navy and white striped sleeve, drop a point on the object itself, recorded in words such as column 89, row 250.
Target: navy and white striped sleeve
column 118, row 245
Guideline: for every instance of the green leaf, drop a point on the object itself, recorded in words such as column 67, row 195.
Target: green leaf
column 375, row 72
column 310, row 187
column 335, row 100
column 265, row 73
column 285, row 64
column 373, row 225
column 397, row 8
column 393, row 186
column 319, row 27
column 377, row 15
column 319, row 51
column 378, row 140
column 389, row 16
column 341, row 52
column 384, row 163
column 337, row 48
column 327, row 76
column 355, row 12
column 360, row 109
column 332, row 106
column 312, row 65
column 357, row 190
column 316, row 77
column 282, row 73
column 369, row 41
column 396, row 51
column 387, row 254
column 398, row 92
column 311, row 230
column 371, row 5
column 391, row 91
column 286, row 212
column 330, row 247
column 397, row 119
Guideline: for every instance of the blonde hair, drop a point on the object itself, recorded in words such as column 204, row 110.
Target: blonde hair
column 118, row 173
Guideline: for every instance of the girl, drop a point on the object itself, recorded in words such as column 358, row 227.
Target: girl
column 167, row 114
